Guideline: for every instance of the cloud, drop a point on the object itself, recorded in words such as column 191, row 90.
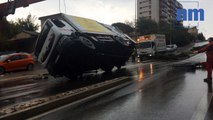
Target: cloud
column 102, row 10
column 105, row 11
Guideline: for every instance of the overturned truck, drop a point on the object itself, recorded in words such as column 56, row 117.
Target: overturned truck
column 69, row 46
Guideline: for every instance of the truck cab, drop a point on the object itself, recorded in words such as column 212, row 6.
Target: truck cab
column 146, row 48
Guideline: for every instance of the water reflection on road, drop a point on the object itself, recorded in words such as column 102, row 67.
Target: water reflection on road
column 159, row 92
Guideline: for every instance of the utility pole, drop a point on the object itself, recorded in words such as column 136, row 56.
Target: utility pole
column 135, row 30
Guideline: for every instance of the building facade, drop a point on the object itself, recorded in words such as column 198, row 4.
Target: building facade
column 158, row 10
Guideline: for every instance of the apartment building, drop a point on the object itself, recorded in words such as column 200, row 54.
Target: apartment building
column 158, row 10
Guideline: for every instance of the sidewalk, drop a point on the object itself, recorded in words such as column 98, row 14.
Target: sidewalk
column 184, row 49
column 19, row 75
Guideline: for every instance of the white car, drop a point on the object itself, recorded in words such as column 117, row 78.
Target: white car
column 171, row 47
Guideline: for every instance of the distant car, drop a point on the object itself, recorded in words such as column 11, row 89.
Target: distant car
column 172, row 47
column 16, row 61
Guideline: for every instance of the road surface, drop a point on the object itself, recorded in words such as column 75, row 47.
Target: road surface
column 158, row 92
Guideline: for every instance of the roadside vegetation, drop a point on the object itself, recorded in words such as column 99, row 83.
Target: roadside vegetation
column 11, row 28
column 175, row 33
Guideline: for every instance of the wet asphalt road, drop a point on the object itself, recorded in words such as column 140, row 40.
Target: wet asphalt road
column 24, row 90
column 158, row 92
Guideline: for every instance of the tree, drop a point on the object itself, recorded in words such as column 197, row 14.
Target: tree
column 146, row 26
column 181, row 37
column 124, row 27
column 175, row 33
column 130, row 23
column 201, row 37
column 11, row 28
column 27, row 24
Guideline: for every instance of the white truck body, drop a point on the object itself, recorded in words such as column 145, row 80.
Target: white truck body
column 149, row 45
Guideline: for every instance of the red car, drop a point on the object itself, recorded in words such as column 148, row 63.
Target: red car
column 16, row 61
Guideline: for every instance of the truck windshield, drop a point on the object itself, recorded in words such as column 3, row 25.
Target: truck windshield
column 145, row 45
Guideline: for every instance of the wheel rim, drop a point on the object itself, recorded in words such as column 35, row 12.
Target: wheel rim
column 87, row 42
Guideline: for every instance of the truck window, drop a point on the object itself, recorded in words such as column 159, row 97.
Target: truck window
column 58, row 23
column 145, row 45
column 43, row 35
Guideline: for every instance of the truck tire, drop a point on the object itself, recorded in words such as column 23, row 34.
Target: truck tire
column 87, row 42
column 121, row 41
column 118, row 67
column 107, row 68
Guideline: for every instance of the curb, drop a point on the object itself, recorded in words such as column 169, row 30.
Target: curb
column 80, row 94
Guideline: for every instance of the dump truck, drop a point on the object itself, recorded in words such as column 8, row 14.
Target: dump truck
column 70, row 45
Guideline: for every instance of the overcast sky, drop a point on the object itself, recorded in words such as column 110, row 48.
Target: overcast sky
column 108, row 11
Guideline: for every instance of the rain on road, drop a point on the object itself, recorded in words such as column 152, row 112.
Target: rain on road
column 158, row 91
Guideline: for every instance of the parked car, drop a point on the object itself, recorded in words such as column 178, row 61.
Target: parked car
column 16, row 61
column 171, row 47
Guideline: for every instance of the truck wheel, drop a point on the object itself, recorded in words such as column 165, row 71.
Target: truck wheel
column 118, row 67
column 107, row 68
column 121, row 40
column 2, row 70
column 85, row 41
